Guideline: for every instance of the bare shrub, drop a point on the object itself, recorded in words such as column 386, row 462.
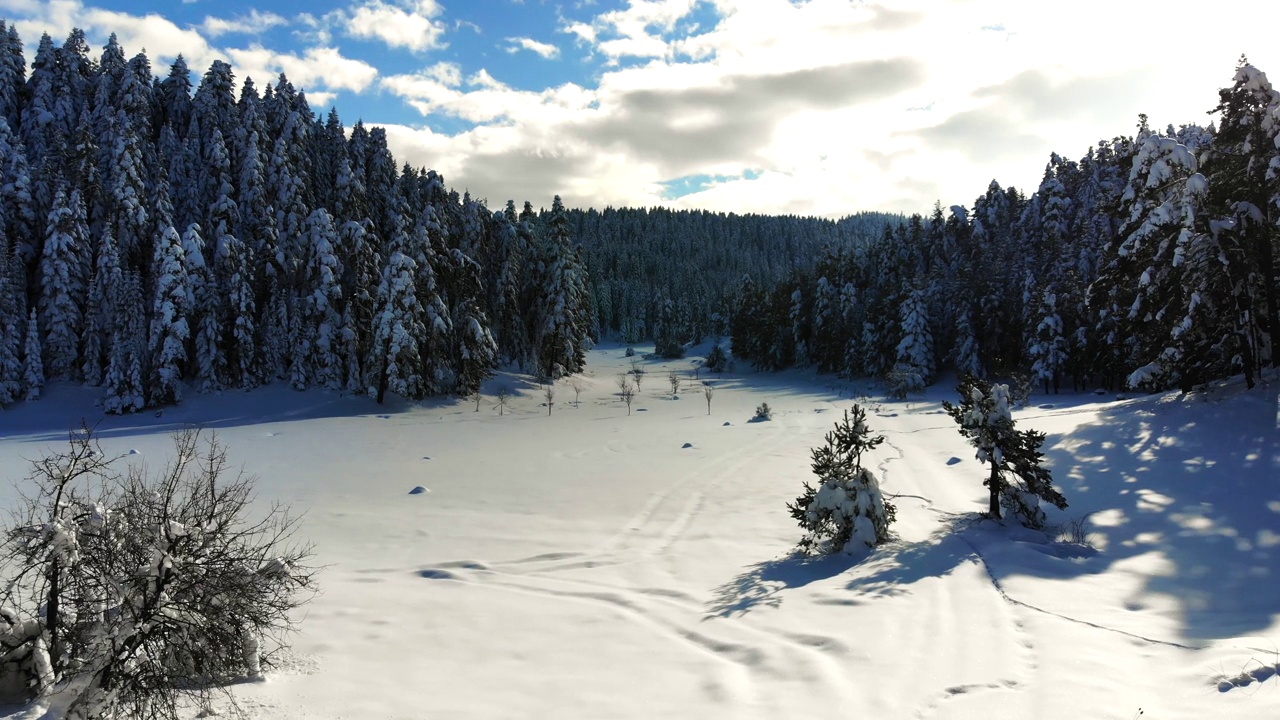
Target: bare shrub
column 129, row 595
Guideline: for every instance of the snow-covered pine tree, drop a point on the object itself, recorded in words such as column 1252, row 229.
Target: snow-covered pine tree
column 100, row 311
column 1243, row 169
column 233, row 274
column 915, row 363
column 477, row 350
column 1049, row 349
column 394, row 363
column 13, row 71
column 16, row 201
column 800, row 328
column 63, row 285
column 359, row 262
column 667, row 342
column 39, row 129
column 208, row 361
column 124, row 388
column 10, row 328
column 170, row 330
column 32, row 364
column 846, row 511
column 1163, row 241
column 321, row 342
column 173, row 99
column 967, row 358
column 1018, row 479
column 828, row 340
column 561, row 335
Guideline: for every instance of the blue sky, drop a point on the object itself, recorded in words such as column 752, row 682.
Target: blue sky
column 776, row 106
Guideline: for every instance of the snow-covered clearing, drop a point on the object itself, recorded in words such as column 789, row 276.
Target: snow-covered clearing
column 587, row 565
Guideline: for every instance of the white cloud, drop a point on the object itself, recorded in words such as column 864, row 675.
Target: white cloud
column 583, row 31
column 413, row 24
column 836, row 106
column 629, row 31
column 319, row 67
column 545, row 50
column 319, row 100
column 253, row 23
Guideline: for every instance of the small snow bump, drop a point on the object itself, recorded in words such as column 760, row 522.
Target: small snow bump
column 418, row 490
column 426, row 457
column 436, row 574
column 953, row 460
column 726, row 424
column 134, row 452
column 686, row 445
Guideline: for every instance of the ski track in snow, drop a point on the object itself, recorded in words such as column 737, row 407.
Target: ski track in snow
column 939, row 635
column 650, row 534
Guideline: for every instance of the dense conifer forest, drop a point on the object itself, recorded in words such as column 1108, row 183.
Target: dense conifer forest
column 162, row 235
column 1148, row 263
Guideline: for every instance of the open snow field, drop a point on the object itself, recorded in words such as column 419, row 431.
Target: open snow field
column 588, row 565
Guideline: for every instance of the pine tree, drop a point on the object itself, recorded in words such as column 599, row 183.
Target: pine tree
column 1243, row 169
column 124, row 389
column 846, row 511
column 915, row 350
column 398, row 333
column 967, row 357
column 477, row 351
column 561, row 334
column 62, row 284
column 1048, row 351
column 359, row 262
column 13, row 70
column 32, row 364
column 208, row 361
column 16, row 201
column 1018, row 479
column 170, row 330
column 321, row 343
column 101, row 311
column 10, row 329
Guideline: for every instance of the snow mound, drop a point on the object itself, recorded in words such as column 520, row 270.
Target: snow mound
column 953, row 460
column 418, row 490
column 686, row 446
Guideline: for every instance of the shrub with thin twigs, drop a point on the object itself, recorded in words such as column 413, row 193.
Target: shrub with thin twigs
column 130, row 595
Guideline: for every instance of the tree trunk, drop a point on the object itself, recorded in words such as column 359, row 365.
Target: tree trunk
column 1267, row 265
column 994, row 483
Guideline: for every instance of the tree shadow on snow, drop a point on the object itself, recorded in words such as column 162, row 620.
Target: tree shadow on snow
column 1196, row 480
column 1190, row 480
column 761, row 585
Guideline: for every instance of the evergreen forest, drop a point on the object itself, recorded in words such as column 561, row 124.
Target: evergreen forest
column 164, row 233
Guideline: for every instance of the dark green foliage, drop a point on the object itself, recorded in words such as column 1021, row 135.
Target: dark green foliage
column 717, row 360
column 846, row 509
column 1018, row 479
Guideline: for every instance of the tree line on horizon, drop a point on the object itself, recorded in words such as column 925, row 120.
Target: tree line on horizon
column 161, row 236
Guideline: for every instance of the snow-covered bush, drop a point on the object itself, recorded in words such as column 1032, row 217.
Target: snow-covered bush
column 846, row 511
column 126, row 595
column 1018, row 481
column 717, row 360
column 903, row 379
column 763, row 413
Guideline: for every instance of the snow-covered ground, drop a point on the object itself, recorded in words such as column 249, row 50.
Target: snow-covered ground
column 588, row 565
